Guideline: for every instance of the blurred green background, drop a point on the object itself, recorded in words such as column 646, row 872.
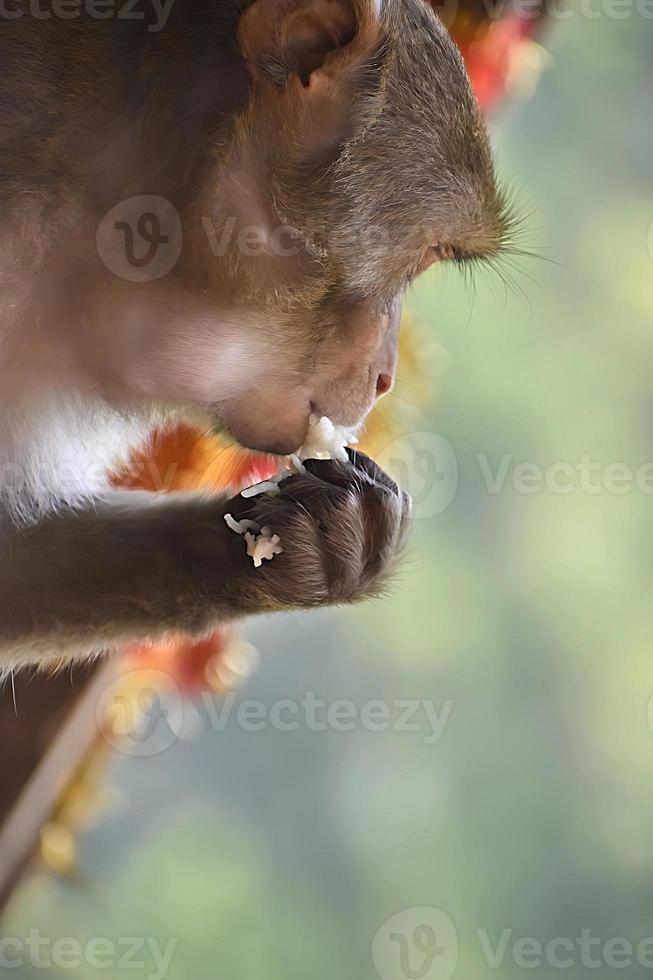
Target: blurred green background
column 525, row 619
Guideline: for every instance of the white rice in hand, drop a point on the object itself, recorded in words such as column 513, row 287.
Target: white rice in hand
column 324, row 440
column 262, row 545
column 239, row 527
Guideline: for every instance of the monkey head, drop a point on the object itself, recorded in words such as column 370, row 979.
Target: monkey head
column 358, row 159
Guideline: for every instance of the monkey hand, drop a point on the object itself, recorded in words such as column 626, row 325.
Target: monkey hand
column 342, row 528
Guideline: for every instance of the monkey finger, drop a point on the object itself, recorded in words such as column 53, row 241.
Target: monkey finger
column 333, row 471
column 374, row 472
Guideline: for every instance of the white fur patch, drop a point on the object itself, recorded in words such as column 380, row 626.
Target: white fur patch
column 61, row 448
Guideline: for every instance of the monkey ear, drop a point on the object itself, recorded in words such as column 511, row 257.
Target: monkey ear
column 286, row 38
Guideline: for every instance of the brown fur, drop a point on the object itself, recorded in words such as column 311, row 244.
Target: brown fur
column 344, row 141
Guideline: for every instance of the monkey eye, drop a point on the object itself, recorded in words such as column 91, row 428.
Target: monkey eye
column 441, row 252
column 434, row 253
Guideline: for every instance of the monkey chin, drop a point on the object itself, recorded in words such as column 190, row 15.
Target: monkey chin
column 273, row 446
column 268, row 421
column 267, row 435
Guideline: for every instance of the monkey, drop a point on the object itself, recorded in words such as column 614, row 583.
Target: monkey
column 213, row 219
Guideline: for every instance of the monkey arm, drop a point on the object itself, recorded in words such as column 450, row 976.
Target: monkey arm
column 137, row 565
column 129, row 565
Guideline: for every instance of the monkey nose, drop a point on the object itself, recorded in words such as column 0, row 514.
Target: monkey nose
column 384, row 384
